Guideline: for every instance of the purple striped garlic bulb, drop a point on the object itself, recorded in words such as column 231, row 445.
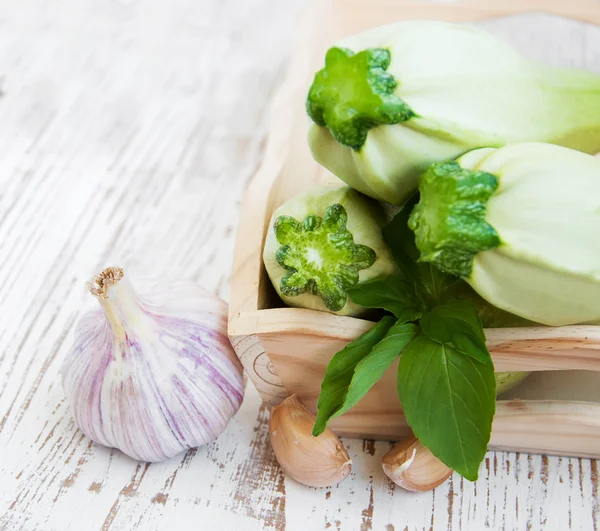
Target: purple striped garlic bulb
column 153, row 374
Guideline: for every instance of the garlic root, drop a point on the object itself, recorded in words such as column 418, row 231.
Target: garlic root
column 413, row 467
column 314, row 461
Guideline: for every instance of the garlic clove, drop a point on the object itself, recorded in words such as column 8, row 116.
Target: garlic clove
column 314, row 461
column 152, row 374
column 413, row 467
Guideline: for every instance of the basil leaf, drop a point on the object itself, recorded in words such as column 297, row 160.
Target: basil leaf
column 430, row 283
column 457, row 324
column 391, row 293
column 449, row 401
column 435, row 282
column 373, row 366
column 340, row 371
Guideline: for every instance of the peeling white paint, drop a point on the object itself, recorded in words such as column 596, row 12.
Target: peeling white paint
column 129, row 130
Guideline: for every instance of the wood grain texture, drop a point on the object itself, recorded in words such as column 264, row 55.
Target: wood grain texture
column 256, row 362
column 129, row 131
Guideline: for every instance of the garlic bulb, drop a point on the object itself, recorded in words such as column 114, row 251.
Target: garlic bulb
column 314, row 461
column 152, row 375
column 413, row 467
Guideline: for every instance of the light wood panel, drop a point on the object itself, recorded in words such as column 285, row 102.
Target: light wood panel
column 547, row 427
column 129, row 131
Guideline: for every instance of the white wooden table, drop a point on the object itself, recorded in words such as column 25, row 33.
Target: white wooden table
column 128, row 131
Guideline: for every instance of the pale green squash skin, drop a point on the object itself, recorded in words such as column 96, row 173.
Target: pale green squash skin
column 419, row 92
column 528, row 244
column 505, row 381
column 365, row 218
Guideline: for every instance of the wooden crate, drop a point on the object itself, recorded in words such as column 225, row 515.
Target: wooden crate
column 286, row 350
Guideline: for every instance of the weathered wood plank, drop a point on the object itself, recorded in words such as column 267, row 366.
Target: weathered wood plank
column 129, row 131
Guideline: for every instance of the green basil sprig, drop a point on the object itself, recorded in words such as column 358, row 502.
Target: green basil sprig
column 354, row 369
column 446, row 377
column 447, row 388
